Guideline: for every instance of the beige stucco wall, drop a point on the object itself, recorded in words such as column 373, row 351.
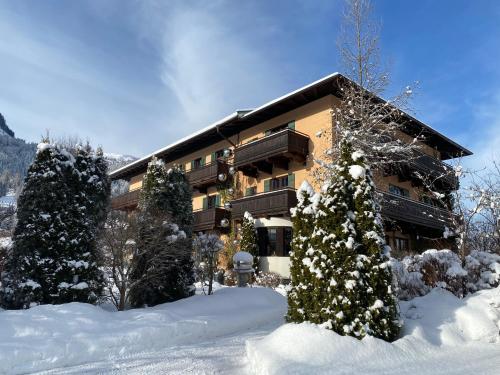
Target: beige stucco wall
column 309, row 119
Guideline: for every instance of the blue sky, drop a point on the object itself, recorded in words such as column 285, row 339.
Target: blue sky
column 134, row 76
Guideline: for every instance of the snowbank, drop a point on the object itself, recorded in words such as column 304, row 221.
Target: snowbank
column 51, row 336
column 442, row 335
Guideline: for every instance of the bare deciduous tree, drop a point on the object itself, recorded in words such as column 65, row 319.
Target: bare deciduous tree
column 377, row 127
column 118, row 246
column 206, row 247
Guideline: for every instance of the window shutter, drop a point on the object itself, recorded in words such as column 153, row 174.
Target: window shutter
column 205, row 203
column 217, row 200
column 192, row 164
column 213, row 157
column 248, row 192
column 291, row 125
column 267, row 185
column 202, row 162
column 291, row 180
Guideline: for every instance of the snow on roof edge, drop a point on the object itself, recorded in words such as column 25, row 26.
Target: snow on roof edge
column 227, row 118
column 274, row 101
column 143, row 159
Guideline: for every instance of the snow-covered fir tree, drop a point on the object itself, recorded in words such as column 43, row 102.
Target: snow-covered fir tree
column 347, row 255
column 248, row 238
column 162, row 268
column 301, row 294
column 54, row 257
column 91, row 184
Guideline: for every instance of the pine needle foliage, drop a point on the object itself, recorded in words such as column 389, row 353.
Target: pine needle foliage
column 345, row 265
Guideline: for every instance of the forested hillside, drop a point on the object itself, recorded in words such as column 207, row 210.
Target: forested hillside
column 16, row 156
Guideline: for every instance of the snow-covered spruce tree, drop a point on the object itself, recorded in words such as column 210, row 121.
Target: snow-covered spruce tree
column 248, row 239
column 53, row 259
column 301, row 294
column 162, row 268
column 352, row 288
column 82, row 279
column 177, row 199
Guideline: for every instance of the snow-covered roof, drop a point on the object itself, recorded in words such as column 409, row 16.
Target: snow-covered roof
column 242, row 118
column 166, row 148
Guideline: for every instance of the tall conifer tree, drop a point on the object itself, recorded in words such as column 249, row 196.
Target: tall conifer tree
column 54, row 257
column 347, row 256
column 301, row 294
column 162, row 269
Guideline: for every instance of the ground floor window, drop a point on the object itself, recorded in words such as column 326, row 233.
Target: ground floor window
column 274, row 241
column 402, row 244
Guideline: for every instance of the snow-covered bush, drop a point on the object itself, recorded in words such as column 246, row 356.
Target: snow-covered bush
column 268, row 279
column 416, row 275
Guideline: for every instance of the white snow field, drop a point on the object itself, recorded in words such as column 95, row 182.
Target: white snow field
column 55, row 336
column 442, row 335
column 241, row 331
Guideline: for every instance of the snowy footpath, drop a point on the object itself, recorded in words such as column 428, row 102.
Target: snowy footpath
column 241, row 331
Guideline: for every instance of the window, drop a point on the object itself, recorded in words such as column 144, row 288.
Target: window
column 287, row 248
column 274, row 241
column 211, row 201
column 402, row 244
column 290, row 125
column 279, row 183
column 217, row 155
column 250, row 191
column 197, row 163
column 399, row 191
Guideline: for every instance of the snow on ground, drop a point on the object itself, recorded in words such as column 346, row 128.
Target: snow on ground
column 49, row 336
column 241, row 331
column 442, row 335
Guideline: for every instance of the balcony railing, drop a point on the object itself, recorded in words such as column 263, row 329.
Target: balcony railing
column 204, row 176
column 210, row 219
column 400, row 208
column 276, row 202
column 272, row 150
column 126, row 201
column 435, row 169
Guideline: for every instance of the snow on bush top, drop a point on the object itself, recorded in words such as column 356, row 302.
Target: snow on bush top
column 356, row 155
column 357, row 171
column 42, row 146
column 416, row 275
column 248, row 216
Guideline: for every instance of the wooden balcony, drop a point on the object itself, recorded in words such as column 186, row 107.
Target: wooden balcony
column 275, row 150
column 276, row 202
column 204, row 176
column 407, row 210
column 127, row 201
column 210, row 219
column 438, row 171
